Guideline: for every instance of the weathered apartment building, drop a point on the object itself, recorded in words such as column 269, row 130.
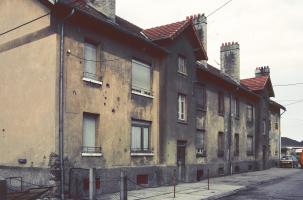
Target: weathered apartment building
column 142, row 101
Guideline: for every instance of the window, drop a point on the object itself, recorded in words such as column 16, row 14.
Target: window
column 221, row 103
column 249, row 113
column 182, row 65
column 264, row 127
column 200, row 143
column 90, row 55
column 221, row 144
column 237, row 141
column 200, row 94
column 249, row 145
column 142, row 179
column 237, row 108
column 89, row 134
column 141, row 78
column 182, row 107
column 140, row 136
column 276, row 122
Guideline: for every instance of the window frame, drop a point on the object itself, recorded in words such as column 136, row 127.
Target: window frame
column 221, row 109
column 250, row 149
column 250, row 113
column 142, row 125
column 179, row 106
column 182, row 69
column 237, row 108
column 139, row 90
column 203, row 105
column 201, row 150
column 237, row 144
column 87, row 75
column 95, row 150
column 221, row 147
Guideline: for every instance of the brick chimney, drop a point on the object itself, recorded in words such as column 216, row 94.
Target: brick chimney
column 262, row 71
column 230, row 60
column 106, row 7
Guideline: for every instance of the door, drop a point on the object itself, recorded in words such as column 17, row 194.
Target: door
column 181, row 149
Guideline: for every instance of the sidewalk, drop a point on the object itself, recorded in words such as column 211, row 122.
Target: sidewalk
column 219, row 187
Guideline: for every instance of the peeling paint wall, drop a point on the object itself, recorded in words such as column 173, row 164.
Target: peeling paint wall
column 113, row 102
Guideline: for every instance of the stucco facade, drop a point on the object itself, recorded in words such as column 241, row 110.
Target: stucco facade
column 229, row 133
column 28, row 86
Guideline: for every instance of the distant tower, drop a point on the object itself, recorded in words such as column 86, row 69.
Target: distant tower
column 230, row 60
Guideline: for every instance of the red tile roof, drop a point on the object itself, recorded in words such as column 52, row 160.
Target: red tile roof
column 255, row 84
column 166, row 31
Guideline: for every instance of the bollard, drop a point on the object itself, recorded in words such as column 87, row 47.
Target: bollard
column 3, row 190
column 174, row 182
column 207, row 179
column 92, row 185
column 123, row 186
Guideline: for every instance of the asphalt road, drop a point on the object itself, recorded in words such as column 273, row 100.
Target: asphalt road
column 288, row 188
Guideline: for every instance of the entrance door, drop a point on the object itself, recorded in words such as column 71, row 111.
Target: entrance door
column 181, row 149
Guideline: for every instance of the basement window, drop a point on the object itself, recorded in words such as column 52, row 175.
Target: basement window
column 142, row 179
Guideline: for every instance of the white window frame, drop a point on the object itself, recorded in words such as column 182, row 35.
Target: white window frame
column 182, row 67
column 89, row 132
column 140, row 90
column 90, row 64
column 142, row 149
column 182, row 107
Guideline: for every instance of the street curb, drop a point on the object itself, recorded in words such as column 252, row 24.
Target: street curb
column 219, row 196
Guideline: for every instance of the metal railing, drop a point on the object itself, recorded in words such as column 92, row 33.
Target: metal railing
column 142, row 90
column 86, row 149
column 90, row 76
column 141, row 150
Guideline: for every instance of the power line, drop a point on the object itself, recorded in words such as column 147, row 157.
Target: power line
column 31, row 21
column 299, row 101
column 81, row 58
column 24, row 24
column 290, row 84
column 216, row 10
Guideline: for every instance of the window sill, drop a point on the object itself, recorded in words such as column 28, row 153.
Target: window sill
column 221, row 114
column 91, row 154
column 144, row 95
column 141, row 154
column 182, row 122
column 182, row 73
column 203, row 109
column 92, row 81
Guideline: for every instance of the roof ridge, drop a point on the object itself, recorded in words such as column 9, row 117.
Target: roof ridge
column 165, row 25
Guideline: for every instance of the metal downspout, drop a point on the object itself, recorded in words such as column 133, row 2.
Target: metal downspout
column 61, row 106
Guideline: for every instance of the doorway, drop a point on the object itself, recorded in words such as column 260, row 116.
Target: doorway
column 181, row 149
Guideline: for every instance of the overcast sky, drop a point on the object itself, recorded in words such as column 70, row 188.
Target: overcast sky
column 270, row 32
